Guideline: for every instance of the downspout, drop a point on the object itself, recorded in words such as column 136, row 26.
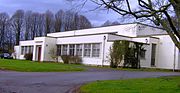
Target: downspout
column 174, row 64
column 104, row 38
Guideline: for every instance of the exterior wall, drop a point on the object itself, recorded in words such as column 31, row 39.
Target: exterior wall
column 86, row 39
column 145, row 30
column 17, row 52
column 49, row 46
column 179, row 60
column 166, row 53
column 108, row 46
column 38, row 42
column 148, row 41
column 24, row 43
column 146, row 62
column 126, row 30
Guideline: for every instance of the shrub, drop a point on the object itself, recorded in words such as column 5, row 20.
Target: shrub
column 65, row 59
column 117, row 52
column 28, row 56
column 71, row 59
column 75, row 60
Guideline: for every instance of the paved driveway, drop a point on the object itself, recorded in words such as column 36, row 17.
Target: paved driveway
column 63, row 82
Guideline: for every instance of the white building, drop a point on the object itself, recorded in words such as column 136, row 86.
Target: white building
column 93, row 45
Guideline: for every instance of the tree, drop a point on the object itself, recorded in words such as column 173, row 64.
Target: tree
column 127, row 52
column 160, row 12
column 4, row 24
column 116, row 53
column 28, row 15
column 17, row 21
column 84, row 23
column 27, row 25
column 74, row 21
column 109, row 23
column 69, row 21
column 41, row 25
column 34, row 24
column 58, row 20
column 49, row 21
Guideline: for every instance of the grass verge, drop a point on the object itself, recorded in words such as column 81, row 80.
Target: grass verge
column 29, row 66
column 148, row 85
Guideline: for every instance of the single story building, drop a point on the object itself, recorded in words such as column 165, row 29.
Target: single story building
column 94, row 44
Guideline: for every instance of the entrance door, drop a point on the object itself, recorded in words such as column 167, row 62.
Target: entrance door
column 39, row 53
column 153, row 55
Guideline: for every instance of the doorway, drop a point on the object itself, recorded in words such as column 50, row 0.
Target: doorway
column 153, row 55
column 39, row 49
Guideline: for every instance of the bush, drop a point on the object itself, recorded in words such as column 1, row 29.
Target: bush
column 65, row 59
column 28, row 56
column 71, row 59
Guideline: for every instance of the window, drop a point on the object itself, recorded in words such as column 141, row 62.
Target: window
column 95, row 50
column 79, row 49
column 59, row 50
column 87, row 50
column 71, row 49
column 22, row 50
column 64, row 49
column 26, row 50
column 30, row 49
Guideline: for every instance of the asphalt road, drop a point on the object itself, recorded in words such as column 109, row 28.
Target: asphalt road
column 63, row 82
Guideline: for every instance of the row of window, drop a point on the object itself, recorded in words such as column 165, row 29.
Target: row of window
column 83, row 50
column 26, row 50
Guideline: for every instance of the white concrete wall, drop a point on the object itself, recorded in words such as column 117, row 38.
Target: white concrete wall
column 143, row 30
column 86, row 39
column 112, row 37
column 178, row 59
column 164, row 51
column 165, row 54
column 148, row 47
column 38, row 42
column 24, row 43
column 49, row 46
column 108, row 47
column 146, row 62
column 81, row 39
column 46, row 44
column 126, row 30
column 17, row 52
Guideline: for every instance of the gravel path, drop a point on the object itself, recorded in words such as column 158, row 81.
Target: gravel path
column 64, row 82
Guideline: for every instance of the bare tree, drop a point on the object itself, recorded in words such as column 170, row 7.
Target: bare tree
column 34, row 24
column 74, row 21
column 41, row 25
column 160, row 12
column 84, row 23
column 58, row 20
column 4, row 20
column 28, row 15
column 68, row 20
column 17, row 21
column 109, row 23
column 49, row 21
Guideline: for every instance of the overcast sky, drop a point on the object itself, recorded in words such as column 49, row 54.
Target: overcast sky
column 96, row 17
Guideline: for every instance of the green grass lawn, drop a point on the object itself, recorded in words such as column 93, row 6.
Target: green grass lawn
column 149, row 85
column 29, row 66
